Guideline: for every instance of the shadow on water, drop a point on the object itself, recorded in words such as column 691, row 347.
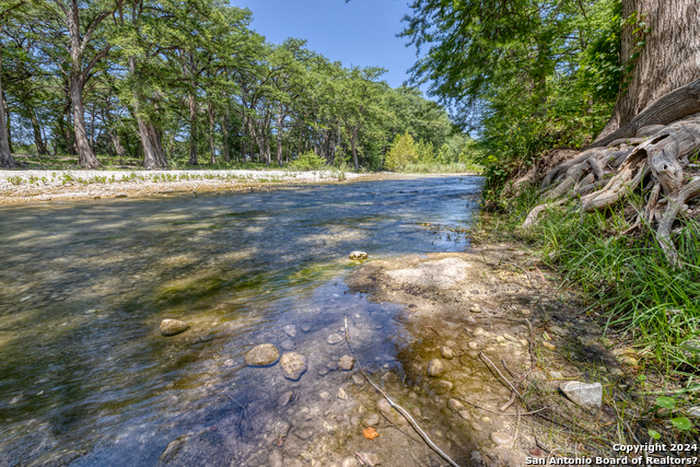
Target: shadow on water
column 85, row 376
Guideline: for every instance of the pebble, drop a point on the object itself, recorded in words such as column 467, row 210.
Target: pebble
column 342, row 395
column 350, row 462
column 290, row 330
column 384, row 406
column 325, row 395
column 171, row 327
column 447, row 352
column 346, row 362
column 262, row 355
column 444, row 386
column 473, row 345
column 501, row 438
column 334, row 339
column 285, row 398
column 293, row 365
column 358, row 379
column 583, row 394
column 306, row 327
column 287, row 344
column 435, row 367
column 369, row 458
column 455, row 405
column 372, row 419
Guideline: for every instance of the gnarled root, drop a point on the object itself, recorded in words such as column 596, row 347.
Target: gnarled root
column 656, row 157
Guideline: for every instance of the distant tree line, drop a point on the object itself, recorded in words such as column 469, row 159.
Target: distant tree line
column 190, row 81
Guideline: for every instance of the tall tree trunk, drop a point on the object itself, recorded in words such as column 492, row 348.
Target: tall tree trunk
column 353, row 143
column 86, row 157
column 226, row 134
column 280, row 123
column 36, row 130
column 6, row 159
column 118, row 146
column 212, row 147
column 192, row 101
column 669, row 59
column 153, row 154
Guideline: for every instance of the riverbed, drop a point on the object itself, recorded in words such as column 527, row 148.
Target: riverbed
column 87, row 379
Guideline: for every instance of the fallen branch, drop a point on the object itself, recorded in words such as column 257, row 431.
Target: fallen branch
column 396, row 406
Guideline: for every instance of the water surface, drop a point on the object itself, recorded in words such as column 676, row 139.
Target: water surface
column 85, row 377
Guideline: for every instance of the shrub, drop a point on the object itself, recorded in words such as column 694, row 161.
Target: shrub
column 308, row 161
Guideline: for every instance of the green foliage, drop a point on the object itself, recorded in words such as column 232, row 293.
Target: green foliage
column 308, row 161
column 404, row 150
column 529, row 75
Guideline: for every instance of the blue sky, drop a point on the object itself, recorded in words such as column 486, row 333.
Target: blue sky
column 361, row 33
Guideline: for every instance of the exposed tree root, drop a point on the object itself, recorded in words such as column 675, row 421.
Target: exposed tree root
column 656, row 159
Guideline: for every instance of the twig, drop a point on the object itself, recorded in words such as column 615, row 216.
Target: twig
column 517, row 427
column 503, row 378
column 398, row 408
column 505, row 406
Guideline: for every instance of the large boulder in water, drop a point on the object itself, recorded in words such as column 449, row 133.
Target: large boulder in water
column 171, row 327
column 262, row 355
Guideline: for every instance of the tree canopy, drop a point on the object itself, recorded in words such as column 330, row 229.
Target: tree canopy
column 186, row 83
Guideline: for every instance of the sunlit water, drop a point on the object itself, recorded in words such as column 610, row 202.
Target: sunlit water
column 85, row 376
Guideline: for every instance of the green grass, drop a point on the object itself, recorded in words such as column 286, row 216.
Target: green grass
column 626, row 276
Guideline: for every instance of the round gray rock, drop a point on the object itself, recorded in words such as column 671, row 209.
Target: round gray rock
column 171, row 327
column 262, row 355
column 293, row 365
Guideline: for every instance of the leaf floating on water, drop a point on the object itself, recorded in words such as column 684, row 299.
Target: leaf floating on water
column 370, row 433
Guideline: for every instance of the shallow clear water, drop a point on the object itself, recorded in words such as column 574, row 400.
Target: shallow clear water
column 86, row 378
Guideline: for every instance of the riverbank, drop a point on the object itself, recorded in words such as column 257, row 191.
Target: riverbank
column 516, row 356
column 28, row 186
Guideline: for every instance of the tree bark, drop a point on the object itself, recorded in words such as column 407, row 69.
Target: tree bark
column 192, row 101
column 353, row 143
column 212, row 146
column 6, row 159
column 280, row 125
column 36, row 130
column 86, row 156
column 226, row 134
column 669, row 59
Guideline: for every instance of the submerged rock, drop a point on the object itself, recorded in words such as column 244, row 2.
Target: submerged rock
column 290, row 330
column 171, row 327
column 346, row 362
column 293, row 365
column 435, row 367
column 447, row 352
column 287, row 344
column 583, row 394
column 285, row 398
column 334, row 339
column 358, row 255
column 262, row 355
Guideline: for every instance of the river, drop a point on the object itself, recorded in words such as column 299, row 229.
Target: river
column 87, row 379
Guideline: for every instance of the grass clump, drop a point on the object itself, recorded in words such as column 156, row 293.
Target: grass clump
column 627, row 277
